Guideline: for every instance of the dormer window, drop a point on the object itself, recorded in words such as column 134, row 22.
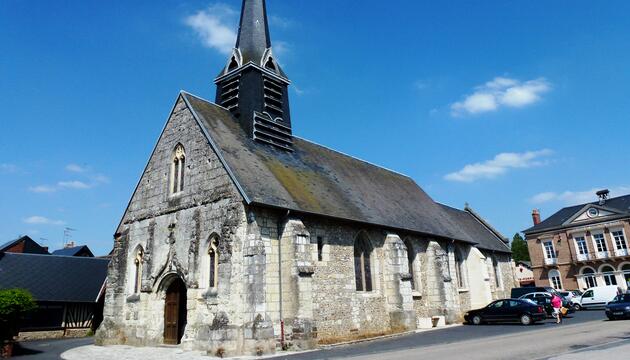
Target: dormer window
column 178, row 169
column 270, row 65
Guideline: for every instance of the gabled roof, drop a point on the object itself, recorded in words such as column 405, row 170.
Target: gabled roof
column 74, row 251
column 54, row 278
column 478, row 229
column 30, row 246
column 559, row 219
column 314, row 179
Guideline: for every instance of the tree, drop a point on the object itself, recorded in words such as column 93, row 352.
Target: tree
column 519, row 248
column 14, row 303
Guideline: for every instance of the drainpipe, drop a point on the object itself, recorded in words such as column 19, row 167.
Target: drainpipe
column 280, row 222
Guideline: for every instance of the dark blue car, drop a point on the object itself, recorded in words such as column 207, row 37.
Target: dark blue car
column 507, row 310
column 619, row 307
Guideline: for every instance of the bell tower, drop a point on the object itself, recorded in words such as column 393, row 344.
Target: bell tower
column 252, row 86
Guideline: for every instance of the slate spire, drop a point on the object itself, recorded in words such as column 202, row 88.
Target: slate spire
column 252, row 85
column 253, row 33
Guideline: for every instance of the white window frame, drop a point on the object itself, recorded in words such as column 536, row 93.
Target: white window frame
column 552, row 279
column 553, row 249
column 617, row 241
column 581, row 255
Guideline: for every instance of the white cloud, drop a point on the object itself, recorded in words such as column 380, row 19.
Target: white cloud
column 42, row 189
column 214, row 26
column 76, row 168
column 74, row 184
column 501, row 92
column 576, row 197
column 499, row 165
column 41, row 220
column 280, row 22
column 280, row 47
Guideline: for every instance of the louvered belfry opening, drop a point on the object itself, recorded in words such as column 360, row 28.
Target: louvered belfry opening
column 253, row 86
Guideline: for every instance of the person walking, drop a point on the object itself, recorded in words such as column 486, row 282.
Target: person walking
column 556, row 304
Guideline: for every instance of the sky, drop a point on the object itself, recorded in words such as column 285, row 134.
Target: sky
column 505, row 105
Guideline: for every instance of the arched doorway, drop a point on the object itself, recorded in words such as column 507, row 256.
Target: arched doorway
column 175, row 312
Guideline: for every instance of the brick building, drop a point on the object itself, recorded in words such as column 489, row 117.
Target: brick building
column 582, row 246
column 241, row 237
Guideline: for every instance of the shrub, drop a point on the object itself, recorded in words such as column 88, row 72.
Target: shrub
column 14, row 303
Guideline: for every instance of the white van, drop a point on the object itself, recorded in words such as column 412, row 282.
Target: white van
column 598, row 296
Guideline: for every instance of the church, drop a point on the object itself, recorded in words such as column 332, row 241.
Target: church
column 242, row 238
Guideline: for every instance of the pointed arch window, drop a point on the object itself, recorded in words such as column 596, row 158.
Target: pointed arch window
column 497, row 273
column 213, row 263
column 460, row 270
column 362, row 268
column 270, row 65
column 178, row 169
column 233, row 64
column 411, row 257
column 139, row 259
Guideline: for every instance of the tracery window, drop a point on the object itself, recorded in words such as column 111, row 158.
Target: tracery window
column 213, row 263
column 178, row 169
column 362, row 268
column 138, row 271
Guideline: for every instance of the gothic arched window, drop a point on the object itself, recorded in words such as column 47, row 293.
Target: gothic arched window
column 411, row 257
column 460, row 270
column 213, row 263
column 362, row 269
column 497, row 273
column 178, row 169
column 137, row 284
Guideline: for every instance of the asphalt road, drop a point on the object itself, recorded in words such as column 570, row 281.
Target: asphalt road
column 459, row 337
column 443, row 337
column 47, row 349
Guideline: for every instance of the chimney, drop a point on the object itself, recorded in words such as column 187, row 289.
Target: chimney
column 69, row 245
column 603, row 196
column 536, row 216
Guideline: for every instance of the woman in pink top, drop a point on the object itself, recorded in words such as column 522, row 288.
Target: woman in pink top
column 556, row 303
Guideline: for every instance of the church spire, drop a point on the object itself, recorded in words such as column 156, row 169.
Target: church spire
column 253, row 33
column 252, row 85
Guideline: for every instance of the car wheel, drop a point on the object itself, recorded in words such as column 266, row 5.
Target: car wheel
column 526, row 319
column 476, row 320
column 577, row 307
column 612, row 318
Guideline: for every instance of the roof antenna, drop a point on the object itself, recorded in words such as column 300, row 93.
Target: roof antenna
column 603, row 196
column 67, row 233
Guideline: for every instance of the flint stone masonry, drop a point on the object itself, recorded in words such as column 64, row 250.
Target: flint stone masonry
column 273, row 288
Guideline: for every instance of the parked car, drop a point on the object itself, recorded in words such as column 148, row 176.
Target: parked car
column 507, row 310
column 598, row 296
column 574, row 300
column 544, row 299
column 619, row 308
column 520, row 291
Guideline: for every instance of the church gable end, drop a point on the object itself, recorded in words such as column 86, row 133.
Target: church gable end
column 183, row 171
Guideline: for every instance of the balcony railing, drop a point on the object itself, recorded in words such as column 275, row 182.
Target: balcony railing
column 551, row 261
column 603, row 254
column 621, row 252
column 584, row 257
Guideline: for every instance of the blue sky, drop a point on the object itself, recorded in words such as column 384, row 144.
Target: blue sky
column 507, row 105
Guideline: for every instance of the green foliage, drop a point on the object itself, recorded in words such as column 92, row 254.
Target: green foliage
column 519, row 248
column 14, row 303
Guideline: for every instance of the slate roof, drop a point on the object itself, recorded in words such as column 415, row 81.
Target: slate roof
column 477, row 229
column 619, row 204
column 73, row 251
column 54, row 278
column 30, row 245
column 316, row 180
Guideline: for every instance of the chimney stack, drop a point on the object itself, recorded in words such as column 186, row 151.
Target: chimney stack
column 603, row 196
column 536, row 216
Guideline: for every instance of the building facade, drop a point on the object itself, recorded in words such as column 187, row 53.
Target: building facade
column 582, row 246
column 241, row 238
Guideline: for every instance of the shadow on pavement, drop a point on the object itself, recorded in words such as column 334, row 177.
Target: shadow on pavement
column 20, row 350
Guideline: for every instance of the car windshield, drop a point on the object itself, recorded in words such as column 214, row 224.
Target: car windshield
column 622, row 298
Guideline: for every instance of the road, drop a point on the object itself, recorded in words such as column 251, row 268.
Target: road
column 584, row 331
column 542, row 340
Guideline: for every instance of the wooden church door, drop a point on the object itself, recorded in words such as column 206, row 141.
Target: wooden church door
column 174, row 312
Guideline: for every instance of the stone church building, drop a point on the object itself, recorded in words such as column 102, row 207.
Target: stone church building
column 241, row 238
